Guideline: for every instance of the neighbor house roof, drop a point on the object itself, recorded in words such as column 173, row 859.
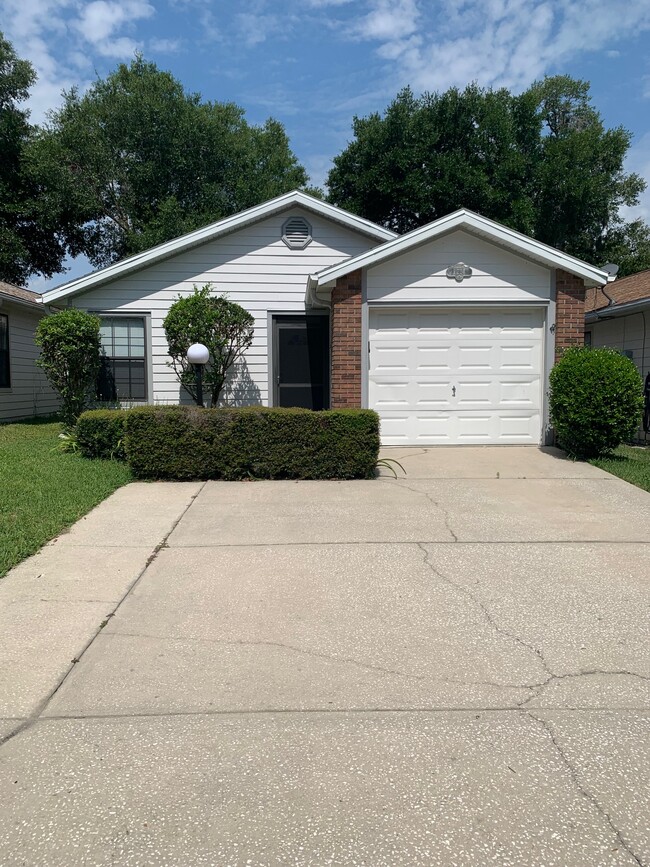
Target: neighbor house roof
column 217, row 230
column 22, row 296
column 517, row 243
column 636, row 287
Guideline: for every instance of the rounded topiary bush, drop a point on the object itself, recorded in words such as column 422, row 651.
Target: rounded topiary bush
column 596, row 400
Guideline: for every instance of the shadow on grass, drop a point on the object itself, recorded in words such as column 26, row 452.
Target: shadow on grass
column 34, row 420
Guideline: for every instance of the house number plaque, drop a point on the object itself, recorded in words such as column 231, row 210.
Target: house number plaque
column 459, row 272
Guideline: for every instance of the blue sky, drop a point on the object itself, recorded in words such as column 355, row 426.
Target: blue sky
column 313, row 64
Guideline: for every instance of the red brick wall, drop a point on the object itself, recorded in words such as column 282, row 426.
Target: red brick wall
column 346, row 342
column 569, row 312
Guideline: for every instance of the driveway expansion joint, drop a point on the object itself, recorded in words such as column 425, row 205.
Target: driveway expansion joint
column 589, row 796
column 40, row 708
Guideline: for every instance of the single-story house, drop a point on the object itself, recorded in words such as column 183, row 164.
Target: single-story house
column 617, row 315
column 24, row 389
column 448, row 332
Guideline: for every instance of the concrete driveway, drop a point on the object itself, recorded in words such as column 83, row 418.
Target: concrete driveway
column 448, row 669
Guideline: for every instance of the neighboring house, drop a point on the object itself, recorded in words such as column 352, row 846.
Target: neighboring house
column 618, row 315
column 449, row 332
column 24, row 389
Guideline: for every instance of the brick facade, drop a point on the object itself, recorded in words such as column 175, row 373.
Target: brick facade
column 569, row 312
column 346, row 342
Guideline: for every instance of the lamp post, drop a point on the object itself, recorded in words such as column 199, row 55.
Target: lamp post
column 198, row 355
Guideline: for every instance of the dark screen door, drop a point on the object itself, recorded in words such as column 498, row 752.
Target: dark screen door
column 301, row 361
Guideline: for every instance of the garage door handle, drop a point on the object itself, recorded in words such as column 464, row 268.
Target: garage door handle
column 453, row 391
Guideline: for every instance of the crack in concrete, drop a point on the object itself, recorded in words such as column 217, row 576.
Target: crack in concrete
column 589, row 796
column 439, row 506
column 423, row 678
column 486, row 612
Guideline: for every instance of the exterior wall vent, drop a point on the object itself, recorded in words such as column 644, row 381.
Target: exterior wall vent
column 296, row 233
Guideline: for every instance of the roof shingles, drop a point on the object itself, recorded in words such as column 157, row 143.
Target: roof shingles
column 18, row 293
column 636, row 287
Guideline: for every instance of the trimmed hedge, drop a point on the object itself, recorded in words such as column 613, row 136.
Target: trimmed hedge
column 252, row 442
column 101, row 433
column 596, row 400
column 180, row 442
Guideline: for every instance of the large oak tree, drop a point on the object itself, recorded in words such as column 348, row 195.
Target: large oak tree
column 541, row 162
column 142, row 161
column 31, row 219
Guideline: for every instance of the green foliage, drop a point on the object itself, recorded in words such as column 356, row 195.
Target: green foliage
column 221, row 325
column 100, row 433
column 30, row 220
column 43, row 490
column 251, row 443
column 70, row 356
column 631, row 463
column 596, row 400
column 141, row 161
column 540, row 162
column 389, row 464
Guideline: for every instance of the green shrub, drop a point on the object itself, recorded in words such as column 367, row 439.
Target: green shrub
column 100, row 433
column 596, row 401
column 256, row 442
column 70, row 357
column 223, row 326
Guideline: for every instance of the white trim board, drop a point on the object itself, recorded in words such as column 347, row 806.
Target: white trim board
column 474, row 223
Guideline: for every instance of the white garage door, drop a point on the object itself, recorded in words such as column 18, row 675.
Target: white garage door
column 457, row 376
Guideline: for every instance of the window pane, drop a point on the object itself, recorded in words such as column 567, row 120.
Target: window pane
column 123, row 375
column 4, row 331
column 4, row 352
column 121, row 347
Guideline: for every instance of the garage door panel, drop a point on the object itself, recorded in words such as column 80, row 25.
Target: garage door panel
column 457, row 376
column 519, row 357
column 476, row 357
column 454, row 428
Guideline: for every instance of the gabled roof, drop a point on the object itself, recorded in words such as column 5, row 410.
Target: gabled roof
column 636, row 287
column 20, row 295
column 517, row 243
column 217, row 230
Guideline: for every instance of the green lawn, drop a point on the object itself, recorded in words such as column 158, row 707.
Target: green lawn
column 630, row 463
column 44, row 490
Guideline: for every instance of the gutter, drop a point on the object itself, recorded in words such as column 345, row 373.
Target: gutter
column 615, row 310
column 30, row 305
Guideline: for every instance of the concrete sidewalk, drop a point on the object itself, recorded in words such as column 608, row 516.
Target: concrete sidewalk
column 448, row 668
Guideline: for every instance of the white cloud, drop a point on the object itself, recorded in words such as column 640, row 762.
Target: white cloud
column 388, row 20
column 256, row 28
column 58, row 36
column 323, row 4
column 495, row 42
column 100, row 22
column 166, row 46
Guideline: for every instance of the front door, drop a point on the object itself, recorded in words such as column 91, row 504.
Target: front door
column 301, row 361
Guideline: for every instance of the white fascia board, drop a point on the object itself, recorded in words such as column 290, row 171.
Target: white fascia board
column 463, row 219
column 217, row 230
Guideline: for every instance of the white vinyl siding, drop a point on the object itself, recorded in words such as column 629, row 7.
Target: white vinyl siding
column 419, row 275
column 29, row 393
column 629, row 334
column 457, row 376
column 252, row 266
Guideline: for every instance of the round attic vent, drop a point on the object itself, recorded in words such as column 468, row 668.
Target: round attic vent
column 296, row 233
